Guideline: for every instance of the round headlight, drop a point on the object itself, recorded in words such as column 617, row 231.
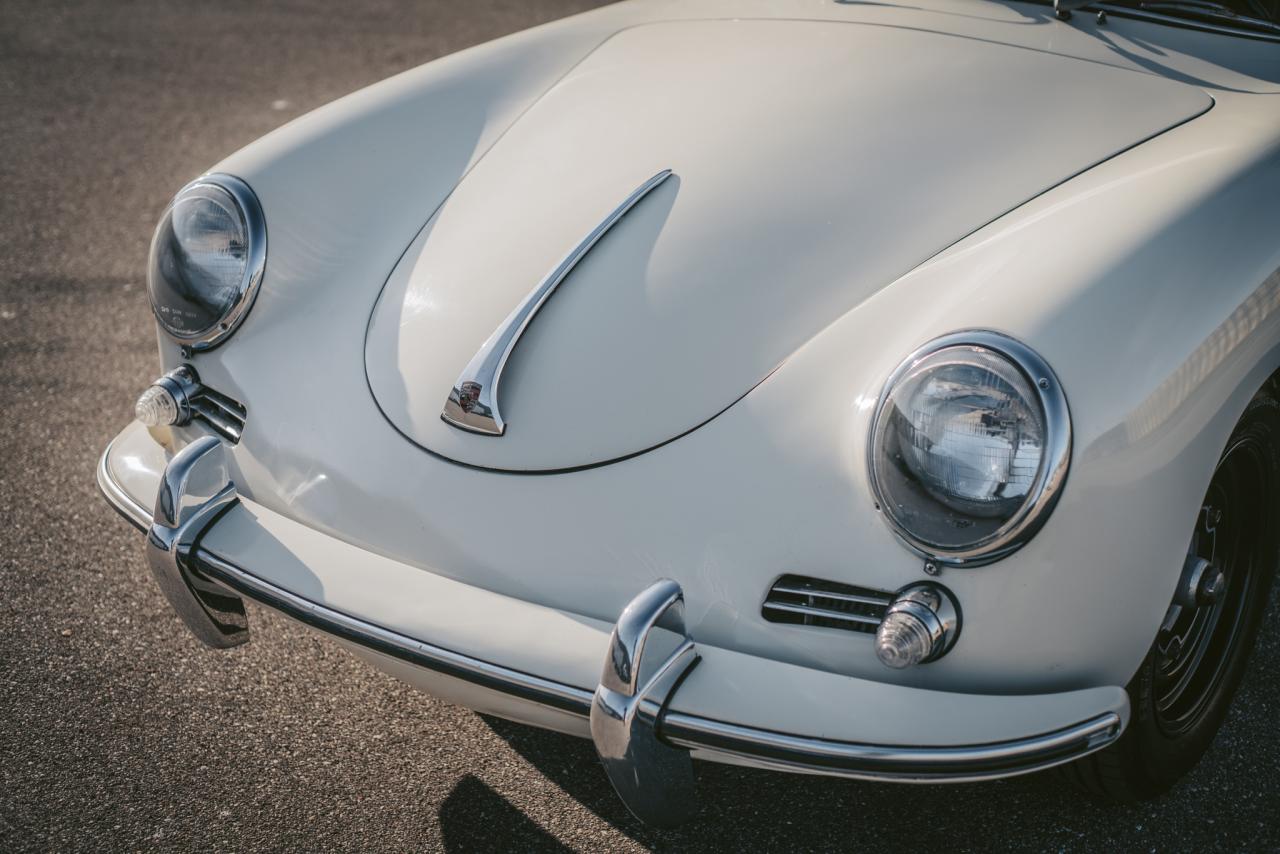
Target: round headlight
column 969, row 447
column 207, row 259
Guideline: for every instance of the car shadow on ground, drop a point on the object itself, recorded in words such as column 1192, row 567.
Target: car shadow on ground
column 505, row 827
column 739, row 808
column 750, row 809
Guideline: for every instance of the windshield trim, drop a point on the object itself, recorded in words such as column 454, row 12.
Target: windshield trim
column 1154, row 17
column 1184, row 23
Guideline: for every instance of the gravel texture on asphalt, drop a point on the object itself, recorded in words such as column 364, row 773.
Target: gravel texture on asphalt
column 119, row 731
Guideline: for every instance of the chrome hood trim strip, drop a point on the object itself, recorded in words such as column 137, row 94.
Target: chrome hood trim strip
column 473, row 402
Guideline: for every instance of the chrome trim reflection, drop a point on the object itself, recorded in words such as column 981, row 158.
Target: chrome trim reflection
column 182, row 385
column 1050, row 478
column 195, row 489
column 756, row 747
column 525, row 686
column 855, row 598
column 194, row 400
column 255, row 226
column 473, row 403
column 963, row 764
column 805, row 602
column 1249, row 28
column 706, row 737
column 933, row 606
column 650, row 652
column 824, row 613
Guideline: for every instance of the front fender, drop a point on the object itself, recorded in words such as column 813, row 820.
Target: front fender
column 1151, row 285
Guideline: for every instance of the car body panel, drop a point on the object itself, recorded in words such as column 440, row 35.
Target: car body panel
column 1148, row 282
column 568, row 648
column 766, row 232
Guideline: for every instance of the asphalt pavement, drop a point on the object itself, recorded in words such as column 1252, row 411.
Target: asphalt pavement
column 118, row 731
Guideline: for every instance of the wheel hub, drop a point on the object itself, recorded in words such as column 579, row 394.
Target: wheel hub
column 1200, row 629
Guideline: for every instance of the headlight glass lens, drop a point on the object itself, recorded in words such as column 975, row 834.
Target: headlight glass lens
column 199, row 258
column 959, row 447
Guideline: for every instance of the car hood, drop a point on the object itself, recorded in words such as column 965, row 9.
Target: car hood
column 813, row 164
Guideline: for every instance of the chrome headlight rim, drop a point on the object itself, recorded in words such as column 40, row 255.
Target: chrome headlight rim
column 1050, row 478
column 255, row 227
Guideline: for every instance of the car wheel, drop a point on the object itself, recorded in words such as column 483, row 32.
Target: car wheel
column 1181, row 693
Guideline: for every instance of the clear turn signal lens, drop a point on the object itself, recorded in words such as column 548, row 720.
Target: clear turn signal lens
column 156, row 407
column 902, row 641
column 921, row 625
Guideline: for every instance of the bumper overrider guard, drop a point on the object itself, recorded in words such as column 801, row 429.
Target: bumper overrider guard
column 644, row 745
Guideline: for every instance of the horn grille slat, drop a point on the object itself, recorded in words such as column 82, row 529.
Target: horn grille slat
column 804, row 601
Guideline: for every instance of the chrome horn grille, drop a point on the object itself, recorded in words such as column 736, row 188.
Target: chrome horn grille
column 804, row 601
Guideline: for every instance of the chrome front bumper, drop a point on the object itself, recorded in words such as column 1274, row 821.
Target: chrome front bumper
column 644, row 743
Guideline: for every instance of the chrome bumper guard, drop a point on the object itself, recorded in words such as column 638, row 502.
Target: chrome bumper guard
column 195, row 490
column 649, row 654
column 644, row 746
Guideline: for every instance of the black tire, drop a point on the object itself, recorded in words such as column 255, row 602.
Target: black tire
column 1181, row 693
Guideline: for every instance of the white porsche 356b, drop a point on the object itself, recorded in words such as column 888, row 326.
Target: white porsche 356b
column 884, row 391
